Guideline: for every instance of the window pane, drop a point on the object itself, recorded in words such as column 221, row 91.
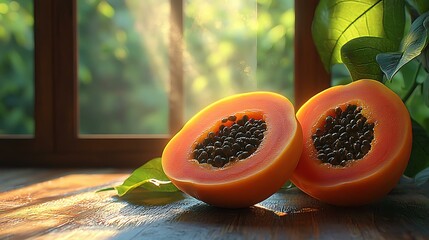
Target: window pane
column 16, row 67
column 236, row 46
column 123, row 66
column 276, row 33
column 220, row 50
column 229, row 47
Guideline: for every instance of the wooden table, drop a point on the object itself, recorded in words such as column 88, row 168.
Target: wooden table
column 63, row 204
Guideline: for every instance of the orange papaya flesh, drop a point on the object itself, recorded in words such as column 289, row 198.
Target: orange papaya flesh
column 371, row 177
column 243, row 182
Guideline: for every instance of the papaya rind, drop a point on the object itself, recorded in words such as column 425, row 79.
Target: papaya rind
column 246, row 182
column 368, row 179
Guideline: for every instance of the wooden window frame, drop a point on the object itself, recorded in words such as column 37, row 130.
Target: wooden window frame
column 56, row 142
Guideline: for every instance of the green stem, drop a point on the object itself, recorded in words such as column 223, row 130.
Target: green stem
column 415, row 85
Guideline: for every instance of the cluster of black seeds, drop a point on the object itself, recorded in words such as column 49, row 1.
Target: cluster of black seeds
column 345, row 136
column 234, row 141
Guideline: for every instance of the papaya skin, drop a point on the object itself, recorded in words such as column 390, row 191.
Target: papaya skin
column 368, row 179
column 245, row 182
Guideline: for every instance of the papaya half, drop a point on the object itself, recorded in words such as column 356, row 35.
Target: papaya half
column 237, row 151
column 357, row 143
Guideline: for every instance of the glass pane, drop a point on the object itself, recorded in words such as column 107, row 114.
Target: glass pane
column 229, row 47
column 123, row 66
column 236, row 46
column 276, row 33
column 16, row 67
column 220, row 50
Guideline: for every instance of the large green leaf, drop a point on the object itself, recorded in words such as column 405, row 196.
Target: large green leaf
column 359, row 56
column 150, row 176
column 394, row 21
column 419, row 159
column 338, row 21
column 412, row 46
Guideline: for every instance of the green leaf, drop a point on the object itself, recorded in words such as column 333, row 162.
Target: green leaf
column 288, row 185
column 419, row 159
column 150, row 176
column 420, row 5
column 412, row 46
column 394, row 20
column 425, row 90
column 338, row 21
column 389, row 63
column 422, row 177
column 359, row 56
column 424, row 56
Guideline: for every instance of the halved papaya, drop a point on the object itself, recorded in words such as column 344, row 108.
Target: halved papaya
column 357, row 143
column 237, row 151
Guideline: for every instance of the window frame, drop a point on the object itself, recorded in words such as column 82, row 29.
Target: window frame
column 57, row 143
column 42, row 141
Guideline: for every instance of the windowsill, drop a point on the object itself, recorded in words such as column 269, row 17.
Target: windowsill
column 63, row 203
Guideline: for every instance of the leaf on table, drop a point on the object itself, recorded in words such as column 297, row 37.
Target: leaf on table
column 419, row 158
column 412, row 46
column 359, row 56
column 288, row 185
column 150, row 176
column 336, row 22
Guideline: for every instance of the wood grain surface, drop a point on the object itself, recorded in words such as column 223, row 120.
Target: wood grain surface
column 63, row 204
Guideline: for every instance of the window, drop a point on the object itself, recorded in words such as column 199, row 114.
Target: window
column 67, row 105
column 122, row 66
column 16, row 68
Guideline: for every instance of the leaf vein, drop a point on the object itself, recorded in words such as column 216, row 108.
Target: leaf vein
column 350, row 25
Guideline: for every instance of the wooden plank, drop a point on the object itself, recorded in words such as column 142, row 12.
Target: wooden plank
column 16, row 178
column 67, row 206
column 44, row 83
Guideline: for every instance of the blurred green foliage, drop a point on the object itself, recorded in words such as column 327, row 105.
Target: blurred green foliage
column 276, row 31
column 236, row 47
column 16, row 67
column 123, row 71
column 122, row 89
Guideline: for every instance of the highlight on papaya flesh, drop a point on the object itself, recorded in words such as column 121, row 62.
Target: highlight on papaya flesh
column 237, row 151
column 357, row 143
